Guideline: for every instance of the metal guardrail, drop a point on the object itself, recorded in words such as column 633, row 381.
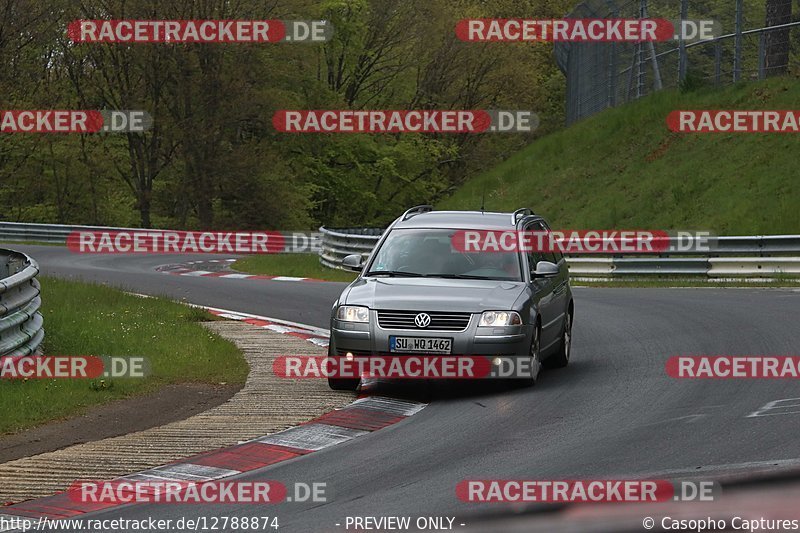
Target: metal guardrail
column 21, row 331
column 296, row 242
column 766, row 257
column 54, row 233
column 336, row 244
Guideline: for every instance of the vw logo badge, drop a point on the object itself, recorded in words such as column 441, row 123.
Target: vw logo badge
column 422, row 320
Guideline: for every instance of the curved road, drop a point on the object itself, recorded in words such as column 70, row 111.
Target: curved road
column 612, row 413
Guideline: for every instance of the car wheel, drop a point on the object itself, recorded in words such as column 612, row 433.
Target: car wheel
column 561, row 358
column 536, row 359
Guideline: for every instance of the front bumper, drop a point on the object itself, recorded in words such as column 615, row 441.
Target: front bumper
column 372, row 339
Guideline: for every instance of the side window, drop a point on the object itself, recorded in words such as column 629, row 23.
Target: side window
column 534, row 256
column 553, row 257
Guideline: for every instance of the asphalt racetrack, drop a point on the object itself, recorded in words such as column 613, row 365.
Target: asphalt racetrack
column 613, row 413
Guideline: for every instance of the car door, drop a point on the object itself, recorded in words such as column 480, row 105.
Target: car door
column 560, row 284
column 543, row 289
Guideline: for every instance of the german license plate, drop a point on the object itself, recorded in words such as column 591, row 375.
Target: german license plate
column 420, row 344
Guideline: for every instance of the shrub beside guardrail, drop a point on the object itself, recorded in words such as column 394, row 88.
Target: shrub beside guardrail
column 767, row 256
column 21, row 330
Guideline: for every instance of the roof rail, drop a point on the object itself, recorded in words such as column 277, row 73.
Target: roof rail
column 416, row 210
column 523, row 211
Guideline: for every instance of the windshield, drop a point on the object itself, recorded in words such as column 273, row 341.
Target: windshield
column 430, row 253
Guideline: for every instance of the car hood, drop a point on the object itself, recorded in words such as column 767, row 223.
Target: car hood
column 433, row 294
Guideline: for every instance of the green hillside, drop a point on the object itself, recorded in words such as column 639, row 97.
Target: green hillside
column 624, row 169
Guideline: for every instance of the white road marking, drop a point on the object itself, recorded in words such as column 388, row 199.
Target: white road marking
column 319, row 341
column 389, row 405
column 690, row 418
column 312, row 436
column 775, row 406
column 318, row 331
column 192, row 472
column 197, row 273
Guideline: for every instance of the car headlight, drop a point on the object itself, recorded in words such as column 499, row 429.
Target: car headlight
column 500, row 318
column 353, row 313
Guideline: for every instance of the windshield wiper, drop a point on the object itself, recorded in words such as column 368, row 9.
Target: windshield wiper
column 457, row 276
column 394, row 273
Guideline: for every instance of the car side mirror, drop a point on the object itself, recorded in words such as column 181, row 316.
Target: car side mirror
column 545, row 269
column 353, row 262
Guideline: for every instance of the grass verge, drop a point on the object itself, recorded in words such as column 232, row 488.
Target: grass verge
column 297, row 265
column 623, row 168
column 86, row 319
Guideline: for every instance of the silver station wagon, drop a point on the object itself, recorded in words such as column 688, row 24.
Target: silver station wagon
column 419, row 294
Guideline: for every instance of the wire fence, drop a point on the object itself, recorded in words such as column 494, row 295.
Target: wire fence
column 759, row 38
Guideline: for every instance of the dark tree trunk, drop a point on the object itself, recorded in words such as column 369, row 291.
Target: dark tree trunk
column 144, row 211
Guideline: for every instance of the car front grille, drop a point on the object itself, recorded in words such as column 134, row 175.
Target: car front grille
column 441, row 321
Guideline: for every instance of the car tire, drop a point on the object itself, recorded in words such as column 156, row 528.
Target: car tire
column 343, row 384
column 536, row 357
column 561, row 358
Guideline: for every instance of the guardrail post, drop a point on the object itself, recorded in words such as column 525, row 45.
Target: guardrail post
column 683, row 59
column 737, row 43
